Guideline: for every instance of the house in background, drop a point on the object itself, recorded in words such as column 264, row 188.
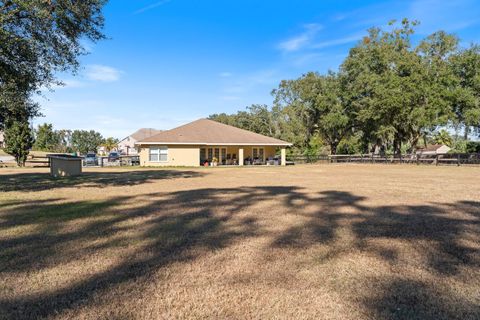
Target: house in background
column 206, row 141
column 127, row 144
column 434, row 149
column 2, row 140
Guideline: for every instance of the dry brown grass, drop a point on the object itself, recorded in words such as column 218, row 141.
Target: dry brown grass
column 318, row 242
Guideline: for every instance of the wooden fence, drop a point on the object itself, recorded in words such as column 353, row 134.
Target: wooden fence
column 103, row 161
column 434, row 159
column 44, row 161
column 38, row 162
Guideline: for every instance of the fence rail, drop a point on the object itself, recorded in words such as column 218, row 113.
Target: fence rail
column 105, row 161
column 435, row 159
column 38, row 162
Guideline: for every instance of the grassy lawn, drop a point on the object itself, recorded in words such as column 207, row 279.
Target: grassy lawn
column 318, row 242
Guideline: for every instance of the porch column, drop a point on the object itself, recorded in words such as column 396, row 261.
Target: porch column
column 240, row 156
column 284, row 157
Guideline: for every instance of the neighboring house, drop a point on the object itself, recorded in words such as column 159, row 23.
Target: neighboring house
column 103, row 151
column 2, row 140
column 127, row 145
column 434, row 149
column 204, row 141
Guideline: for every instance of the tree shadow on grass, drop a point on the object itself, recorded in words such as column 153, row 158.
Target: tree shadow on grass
column 182, row 226
column 169, row 227
column 447, row 235
column 320, row 227
column 400, row 298
column 44, row 181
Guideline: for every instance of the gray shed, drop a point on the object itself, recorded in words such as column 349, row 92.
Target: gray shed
column 64, row 165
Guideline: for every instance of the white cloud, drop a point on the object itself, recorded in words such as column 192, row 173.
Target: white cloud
column 102, row 73
column 301, row 40
column 152, row 6
column 339, row 41
column 72, row 83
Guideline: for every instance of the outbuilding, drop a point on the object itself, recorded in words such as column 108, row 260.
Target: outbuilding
column 206, row 142
column 64, row 165
column 434, row 149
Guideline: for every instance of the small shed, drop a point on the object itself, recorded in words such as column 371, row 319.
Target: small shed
column 64, row 165
column 434, row 149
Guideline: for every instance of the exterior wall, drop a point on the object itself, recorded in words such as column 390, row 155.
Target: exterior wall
column 189, row 156
column 127, row 146
column 181, row 156
column 2, row 140
column 65, row 167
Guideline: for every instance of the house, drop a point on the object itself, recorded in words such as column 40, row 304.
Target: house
column 127, row 144
column 434, row 149
column 2, row 140
column 204, row 142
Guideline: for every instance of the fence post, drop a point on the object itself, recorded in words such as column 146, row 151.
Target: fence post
column 436, row 159
column 458, row 160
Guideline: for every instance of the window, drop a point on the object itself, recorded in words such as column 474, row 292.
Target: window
column 203, row 155
column 158, row 154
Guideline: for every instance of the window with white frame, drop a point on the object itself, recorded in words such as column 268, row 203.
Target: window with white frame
column 158, row 154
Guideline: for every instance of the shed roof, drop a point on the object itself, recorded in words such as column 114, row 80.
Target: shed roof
column 432, row 147
column 209, row 132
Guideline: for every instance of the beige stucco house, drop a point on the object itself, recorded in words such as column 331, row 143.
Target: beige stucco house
column 127, row 144
column 207, row 142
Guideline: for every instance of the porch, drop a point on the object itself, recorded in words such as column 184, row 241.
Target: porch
column 241, row 155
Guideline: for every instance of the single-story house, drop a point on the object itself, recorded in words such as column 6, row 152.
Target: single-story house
column 127, row 144
column 207, row 142
column 434, row 149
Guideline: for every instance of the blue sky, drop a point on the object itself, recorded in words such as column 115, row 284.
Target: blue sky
column 169, row 62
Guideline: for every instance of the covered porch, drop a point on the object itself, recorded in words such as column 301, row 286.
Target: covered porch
column 235, row 155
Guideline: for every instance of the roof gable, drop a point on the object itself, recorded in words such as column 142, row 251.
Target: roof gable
column 143, row 133
column 205, row 131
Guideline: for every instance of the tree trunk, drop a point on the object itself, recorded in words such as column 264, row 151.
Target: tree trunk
column 465, row 132
column 396, row 146
column 333, row 148
column 414, row 143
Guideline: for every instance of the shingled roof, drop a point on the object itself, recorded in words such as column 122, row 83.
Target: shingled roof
column 144, row 133
column 209, row 132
